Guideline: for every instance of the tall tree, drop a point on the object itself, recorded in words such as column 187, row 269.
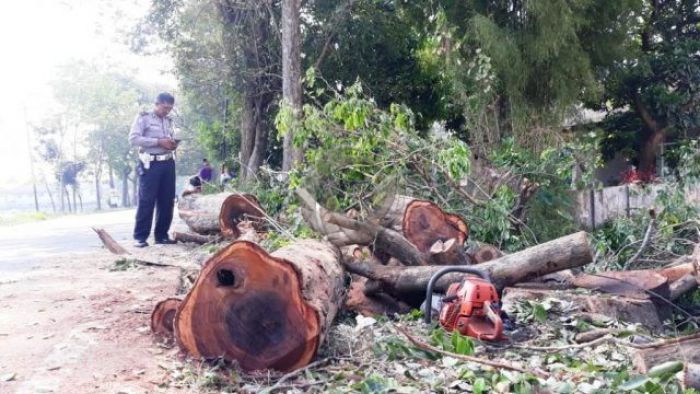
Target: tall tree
column 655, row 90
column 291, row 76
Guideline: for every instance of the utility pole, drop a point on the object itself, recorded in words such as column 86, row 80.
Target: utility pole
column 31, row 158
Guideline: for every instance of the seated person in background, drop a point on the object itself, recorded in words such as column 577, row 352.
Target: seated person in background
column 206, row 172
column 194, row 186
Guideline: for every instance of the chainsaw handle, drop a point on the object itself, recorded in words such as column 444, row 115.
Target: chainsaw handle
column 495, row 320
column 452, row 268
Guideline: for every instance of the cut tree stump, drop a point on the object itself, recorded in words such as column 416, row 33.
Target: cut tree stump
column 684, row 350
column 632, row 310
column 567, row 252
column 267, row 311
column 163, row 315
column 240, row 207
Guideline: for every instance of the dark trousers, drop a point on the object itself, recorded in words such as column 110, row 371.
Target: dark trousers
column 156, row 190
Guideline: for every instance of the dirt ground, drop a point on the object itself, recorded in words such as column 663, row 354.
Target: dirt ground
column 78, row 325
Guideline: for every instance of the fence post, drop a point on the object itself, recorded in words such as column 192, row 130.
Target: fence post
column 627, row 200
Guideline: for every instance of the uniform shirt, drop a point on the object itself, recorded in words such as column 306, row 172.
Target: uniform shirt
column 147, row 129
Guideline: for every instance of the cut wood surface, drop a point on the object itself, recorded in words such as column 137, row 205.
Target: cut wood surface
column 618, row 307
column 673, row 273
column 201, row 211
column 236, row 208
column 424, row 223
column 449, row 252
column 263, row 310
column 683, row 350
column 567, row 252
column 163, row 315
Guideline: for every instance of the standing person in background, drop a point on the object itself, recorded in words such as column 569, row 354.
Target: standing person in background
column 152, row 132
column 206, row 172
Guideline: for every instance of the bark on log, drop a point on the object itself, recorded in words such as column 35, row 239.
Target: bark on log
column 685, row 350
column 617, row 307
column 486, row 253
column 567, row 252
column 676, row 272
column 109, row 242
column 201, row 211
column 691, row 376
column 237, row 208
column 193, row 238
column 263, row 310
column 630, row 283
column 163, row 316
column 682, row 286
column 372, row 305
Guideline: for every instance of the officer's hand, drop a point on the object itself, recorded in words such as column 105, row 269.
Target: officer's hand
column 167, row 143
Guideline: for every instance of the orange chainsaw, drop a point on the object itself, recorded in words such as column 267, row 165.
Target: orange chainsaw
column 471, row 307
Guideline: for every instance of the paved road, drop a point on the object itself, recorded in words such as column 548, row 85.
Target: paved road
column 24, row 246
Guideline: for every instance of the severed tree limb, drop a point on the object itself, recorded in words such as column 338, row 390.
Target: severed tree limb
column 681, row 286
column 341, row 231
column 109, row 242
column 566, row 252
column 494, row 364
column 645, row 242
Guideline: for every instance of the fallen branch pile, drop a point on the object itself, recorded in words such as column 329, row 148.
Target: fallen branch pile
column 273, row 310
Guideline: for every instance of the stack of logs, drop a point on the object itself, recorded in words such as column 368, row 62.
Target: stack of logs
column 273, row 310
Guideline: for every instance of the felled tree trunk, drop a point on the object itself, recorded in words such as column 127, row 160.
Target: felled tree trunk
column 625, row 282
column 163, row 316
column 372, row 305
column 567, row 252
column 201, row 211
column 212, row 213
column 193, row 237
column 263, row 310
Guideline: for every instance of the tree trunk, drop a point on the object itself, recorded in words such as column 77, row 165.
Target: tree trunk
column 135, row 190
column 125, row 188
column 647, row 158
column 248, row 129
column 111, row 177
column 98, row 192
column 267, row 311
column 212, row 213
column 291, row 76
column 567, row 252
column 628, row 283
column 257, row 155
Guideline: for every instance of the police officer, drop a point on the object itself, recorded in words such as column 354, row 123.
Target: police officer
column 152, row 132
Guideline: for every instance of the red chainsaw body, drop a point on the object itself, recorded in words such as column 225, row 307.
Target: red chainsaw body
column 471, row 307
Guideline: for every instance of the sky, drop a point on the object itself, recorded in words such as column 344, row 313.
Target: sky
column 36, row 36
